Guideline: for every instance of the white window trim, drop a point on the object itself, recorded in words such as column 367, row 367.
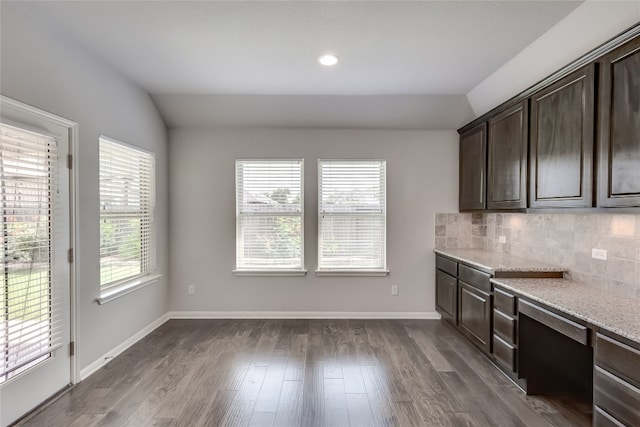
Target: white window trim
column 352, row 272
column 131, row 284
column 116, row 291
column 274, row 272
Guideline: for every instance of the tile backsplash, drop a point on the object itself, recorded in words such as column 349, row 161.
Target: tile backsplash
column 560, row 239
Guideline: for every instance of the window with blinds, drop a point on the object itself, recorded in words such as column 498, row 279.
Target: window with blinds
column 269, row 215
column 30, row 321
column 127, row 198
column 352, row 215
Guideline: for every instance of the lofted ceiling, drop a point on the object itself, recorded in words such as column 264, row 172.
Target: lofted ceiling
column 187, row 53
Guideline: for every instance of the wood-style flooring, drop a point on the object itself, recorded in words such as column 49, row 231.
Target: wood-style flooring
column 304, row 373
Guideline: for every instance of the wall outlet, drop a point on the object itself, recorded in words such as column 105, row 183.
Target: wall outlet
column 502, row 239
column 599, row 254
column 191, row 289
column 394, row 290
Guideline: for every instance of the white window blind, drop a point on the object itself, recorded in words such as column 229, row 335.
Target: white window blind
column 352, row 215
column 30, row 321
column 269, row 215
column 127, row 198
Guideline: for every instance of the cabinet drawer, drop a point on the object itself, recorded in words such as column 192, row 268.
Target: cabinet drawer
column 602, row 419
column 558, row 323
column 617, row 397
column 504, row 326
column 504, row 353
column 474, row 277
column 504, row 301
column 447, row 265
column 618, row 358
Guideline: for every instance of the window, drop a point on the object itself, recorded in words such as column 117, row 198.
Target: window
column 30, row 318
column 127, row 198
column 269, row 216
column 352, row 216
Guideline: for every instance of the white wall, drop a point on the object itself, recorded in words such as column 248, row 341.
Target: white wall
column 588, row 26
column 50, row 74
column 422, row 180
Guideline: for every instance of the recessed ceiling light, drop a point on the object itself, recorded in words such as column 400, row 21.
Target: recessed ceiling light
column 328, row 60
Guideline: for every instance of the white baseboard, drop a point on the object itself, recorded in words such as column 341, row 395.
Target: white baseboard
column 302, row 315
column 108, row 357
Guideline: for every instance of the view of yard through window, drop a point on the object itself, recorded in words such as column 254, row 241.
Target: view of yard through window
column 25, row 276
column 352, row 214
column 269, row 214
column 126, row 212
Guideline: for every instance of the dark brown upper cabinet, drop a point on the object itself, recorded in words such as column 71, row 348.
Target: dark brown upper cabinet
column 507, row 160
column 473, row 168
column 619, row 124
column 561, row 145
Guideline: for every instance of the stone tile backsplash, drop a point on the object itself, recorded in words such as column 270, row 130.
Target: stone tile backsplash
column 560, row 239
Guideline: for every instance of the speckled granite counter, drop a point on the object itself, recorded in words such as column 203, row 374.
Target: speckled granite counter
column 498, row 264
column 618, row 314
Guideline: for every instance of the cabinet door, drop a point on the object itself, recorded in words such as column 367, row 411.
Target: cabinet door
column 473, row 165
column 474, row 315
column 619, row 179
column 507, row 163
column 562, row 133
column 447, row 296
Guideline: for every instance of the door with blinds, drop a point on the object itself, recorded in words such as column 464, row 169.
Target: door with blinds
column 35, row 286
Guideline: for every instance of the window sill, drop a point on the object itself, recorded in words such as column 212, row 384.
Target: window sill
column 126, row 288
column 364, row 273
column 249, row 273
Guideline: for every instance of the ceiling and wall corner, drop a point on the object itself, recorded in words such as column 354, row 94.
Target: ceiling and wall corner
column 591, row 24
column 39, row 69
column 402, row 112
column 404, row 65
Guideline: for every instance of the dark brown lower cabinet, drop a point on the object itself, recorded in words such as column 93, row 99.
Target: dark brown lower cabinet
column 447, row 296
column 474, row 315
column 544, row 350
column 505, row 333
column 463, row 299
column 617, row 397
column 504, row 353
column 603, row 419
column 616, row 392
column 504, row 326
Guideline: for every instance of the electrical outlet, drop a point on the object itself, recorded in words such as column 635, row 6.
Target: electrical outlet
column 599, row 254
column 191, row 289
column 502, row 239
column 394, row 290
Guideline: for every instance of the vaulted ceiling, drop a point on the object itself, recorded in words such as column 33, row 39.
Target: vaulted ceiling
column 188, row 54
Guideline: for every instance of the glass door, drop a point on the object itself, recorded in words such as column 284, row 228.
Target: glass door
column 34, row 266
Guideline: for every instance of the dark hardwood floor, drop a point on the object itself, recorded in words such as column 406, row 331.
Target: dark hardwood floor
column 304, row 373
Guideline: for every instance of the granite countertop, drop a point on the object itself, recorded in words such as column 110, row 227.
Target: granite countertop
column 618, row 314
column 496, row 263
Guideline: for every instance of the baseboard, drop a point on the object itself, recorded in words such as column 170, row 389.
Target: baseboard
column 108, row 357
column 302, row 315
